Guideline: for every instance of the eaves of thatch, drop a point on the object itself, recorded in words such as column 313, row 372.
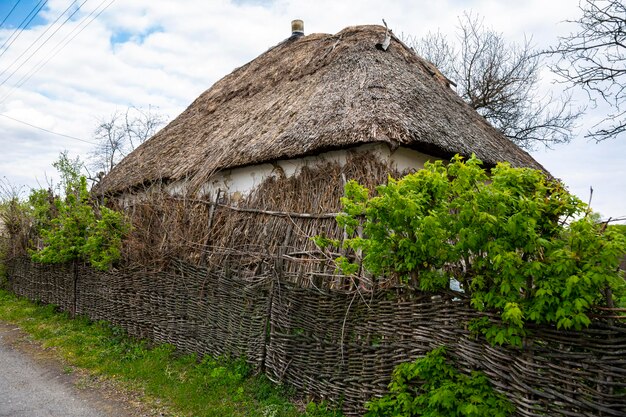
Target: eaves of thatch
column 312, row 94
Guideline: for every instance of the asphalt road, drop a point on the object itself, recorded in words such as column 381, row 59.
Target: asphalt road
column 33, row 385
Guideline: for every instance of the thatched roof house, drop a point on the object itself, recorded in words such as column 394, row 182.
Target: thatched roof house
column 257, row 163
column 312, row 94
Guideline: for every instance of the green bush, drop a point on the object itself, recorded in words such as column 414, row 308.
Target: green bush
column 72, row 227
column 518, row 242
column 65, row 233
column 432, row 387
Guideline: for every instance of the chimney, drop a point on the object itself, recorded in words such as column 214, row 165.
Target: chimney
column 297, row 28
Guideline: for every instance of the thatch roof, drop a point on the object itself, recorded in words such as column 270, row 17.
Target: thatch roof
column 312, row 94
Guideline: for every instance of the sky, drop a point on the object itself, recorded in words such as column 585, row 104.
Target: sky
column 77, row 62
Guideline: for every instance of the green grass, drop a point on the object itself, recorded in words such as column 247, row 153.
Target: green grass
column 187, row 385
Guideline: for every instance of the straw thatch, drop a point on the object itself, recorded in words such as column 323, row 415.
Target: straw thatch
column 312, row 94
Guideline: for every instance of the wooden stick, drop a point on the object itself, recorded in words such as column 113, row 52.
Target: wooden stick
column 259, row 211
column 283, row 213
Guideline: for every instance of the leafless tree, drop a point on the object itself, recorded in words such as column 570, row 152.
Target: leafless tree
column 594, row 59
column 121, row 133
column 111, row 144
column 500, row 80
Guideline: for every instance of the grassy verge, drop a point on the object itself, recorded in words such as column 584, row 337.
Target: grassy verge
column 189, row 386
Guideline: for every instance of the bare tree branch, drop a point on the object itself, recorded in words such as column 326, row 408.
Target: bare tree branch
column 594, row 59
column 500, row 81
column 120, row 133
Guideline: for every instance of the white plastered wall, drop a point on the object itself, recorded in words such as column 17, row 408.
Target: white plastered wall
column 238, row 182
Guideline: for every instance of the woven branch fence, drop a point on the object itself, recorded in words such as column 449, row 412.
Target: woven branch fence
column 331, row 344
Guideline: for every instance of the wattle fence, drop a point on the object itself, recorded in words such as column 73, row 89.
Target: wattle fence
column 339, row 346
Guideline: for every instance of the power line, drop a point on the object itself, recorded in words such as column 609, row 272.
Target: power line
column 56, row 50
column 39, row 37
column 40, row 46
column 614, row 219
column 48, row 131
column 21, row 27
column 10, row 12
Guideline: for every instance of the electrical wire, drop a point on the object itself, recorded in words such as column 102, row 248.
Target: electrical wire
column 48, row 131
column 40, row 36
column 10, row 12
column 56, row 50
column 18, row 31
column 40, row 46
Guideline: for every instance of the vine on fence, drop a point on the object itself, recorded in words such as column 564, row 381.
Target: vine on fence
column 432, row 387
column 517, row 241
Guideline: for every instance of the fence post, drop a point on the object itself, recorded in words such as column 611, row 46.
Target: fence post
column 280, row 264
column 212, row 209
column 74, row 287
column 278, row 274
column 267, row 329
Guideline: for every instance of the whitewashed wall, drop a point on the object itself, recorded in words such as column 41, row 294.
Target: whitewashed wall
column 238, row 182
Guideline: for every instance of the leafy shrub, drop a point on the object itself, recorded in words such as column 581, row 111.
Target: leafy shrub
column 65, row 233
column 503, row 236
column 322, row 409
column 432, row 387
column 74, row 228
column 104, row 243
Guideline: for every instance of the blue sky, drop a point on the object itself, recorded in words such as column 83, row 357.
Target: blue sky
column 20, row 11
column 21, row 14
column 165, row 53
